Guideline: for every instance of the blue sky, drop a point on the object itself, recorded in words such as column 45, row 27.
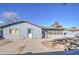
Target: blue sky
column 45, row 14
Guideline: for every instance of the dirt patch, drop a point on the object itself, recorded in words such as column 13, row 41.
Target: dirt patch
column 47, row 44
column 4, row 42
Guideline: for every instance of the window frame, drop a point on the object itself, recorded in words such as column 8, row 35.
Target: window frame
column 13, row 31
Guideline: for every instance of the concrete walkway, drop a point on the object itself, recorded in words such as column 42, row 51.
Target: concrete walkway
column 34, row 46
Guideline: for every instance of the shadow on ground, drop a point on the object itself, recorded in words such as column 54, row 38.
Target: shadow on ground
column 70, row 52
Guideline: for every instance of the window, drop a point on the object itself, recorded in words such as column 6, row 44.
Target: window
column 58, row 32
column 50, row 32
column 16, row 31
column 13, row 31
column 29, row 33
column 61, row 32
column 54, row 33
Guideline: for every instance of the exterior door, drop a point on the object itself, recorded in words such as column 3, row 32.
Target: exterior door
column 29, row 33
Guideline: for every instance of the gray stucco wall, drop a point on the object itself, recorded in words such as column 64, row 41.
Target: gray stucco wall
column 36, row 31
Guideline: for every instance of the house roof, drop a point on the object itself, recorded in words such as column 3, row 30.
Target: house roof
column 15, row 23
column 72, row 29
column 52, row 28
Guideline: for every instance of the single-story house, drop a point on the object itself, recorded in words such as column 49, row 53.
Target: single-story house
column 54, row 31
column 21, row 30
